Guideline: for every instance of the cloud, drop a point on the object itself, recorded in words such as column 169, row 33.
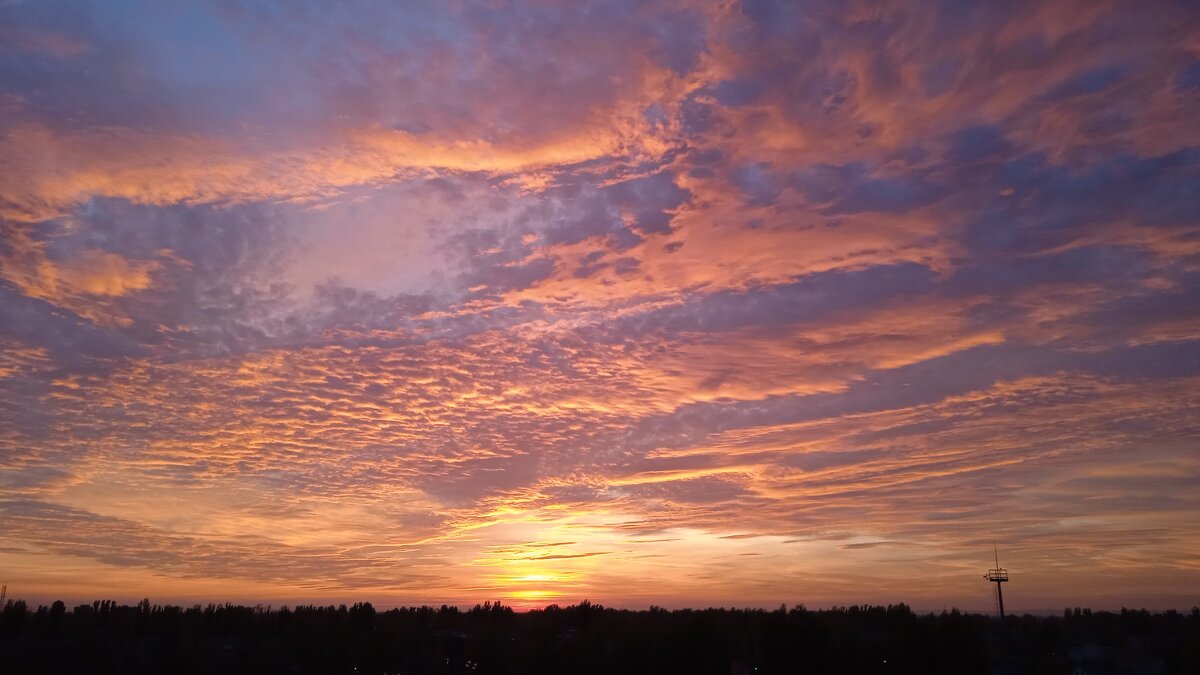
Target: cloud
column 558, row 299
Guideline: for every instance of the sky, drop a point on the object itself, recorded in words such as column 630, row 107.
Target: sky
column 680, row 303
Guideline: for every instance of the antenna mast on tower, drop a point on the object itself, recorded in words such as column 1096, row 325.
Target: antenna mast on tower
column 998, row 575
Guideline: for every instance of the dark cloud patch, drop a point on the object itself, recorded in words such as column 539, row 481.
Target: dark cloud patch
column 73, row 340
column 865, row 544
column 681, row 39
column 575, row 211
column 568, row 556
column 1132, row 317
column 514, row 277
column 1088, row 82
column 32, row 476
column 705, row 490
column 1188, row 77
column 811, row 299
column 1052, row 205
column 738, row 92
column 757, row 183
column 773, row 17
column 976, row 143
column 60, row 57
column 1112, row 266
column 650, row 200
column 939, row 76
column 575, row 494
column 817, row 461
column 336, row 305
column 214, row 283
column 853, row 189
column 474, row 479
column 697, row 117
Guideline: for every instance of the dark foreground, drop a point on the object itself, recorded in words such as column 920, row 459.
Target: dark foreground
column 585, row 638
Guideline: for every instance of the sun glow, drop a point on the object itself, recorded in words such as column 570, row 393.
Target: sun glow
column 535, row 577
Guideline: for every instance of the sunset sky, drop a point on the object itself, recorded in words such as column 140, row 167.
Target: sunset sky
column 675, row 303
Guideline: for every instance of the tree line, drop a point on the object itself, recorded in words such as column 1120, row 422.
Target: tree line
column 586, row 638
